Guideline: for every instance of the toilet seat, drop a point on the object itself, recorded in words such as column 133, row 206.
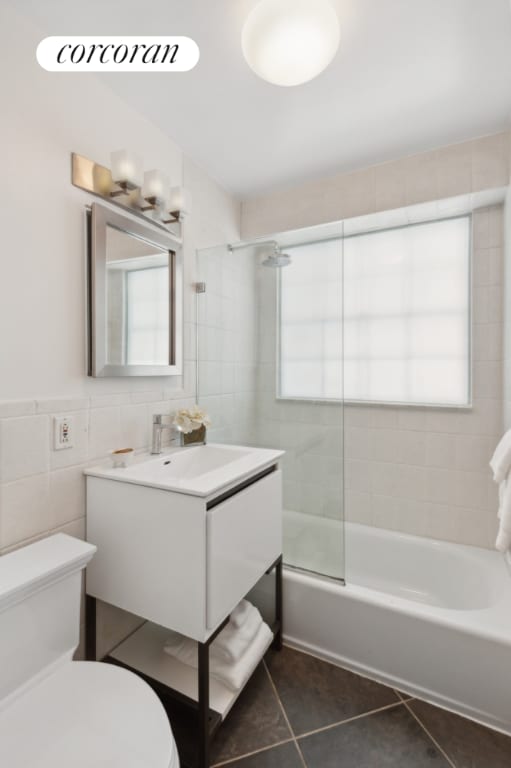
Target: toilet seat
column 87, row 715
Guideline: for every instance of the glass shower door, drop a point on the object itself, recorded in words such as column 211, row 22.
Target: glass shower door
column 271, row 373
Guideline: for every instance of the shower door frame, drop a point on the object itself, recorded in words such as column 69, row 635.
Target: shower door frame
column 340, row 580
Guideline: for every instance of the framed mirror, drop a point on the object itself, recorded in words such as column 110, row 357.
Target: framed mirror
column 135, row 297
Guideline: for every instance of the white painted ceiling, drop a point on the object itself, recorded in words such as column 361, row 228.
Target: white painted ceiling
column 410, row 75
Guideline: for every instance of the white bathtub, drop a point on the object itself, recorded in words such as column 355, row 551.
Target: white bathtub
column 430, row 618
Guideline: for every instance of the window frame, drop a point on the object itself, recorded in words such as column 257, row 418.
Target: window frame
column 128, row 273
column 380, row 403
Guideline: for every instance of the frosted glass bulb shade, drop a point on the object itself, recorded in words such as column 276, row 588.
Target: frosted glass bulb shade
column 180, row 200
column 288, row 42
column 127, row 169
column 156, row 186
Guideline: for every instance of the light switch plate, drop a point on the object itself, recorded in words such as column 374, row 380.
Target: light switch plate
column 63, row 432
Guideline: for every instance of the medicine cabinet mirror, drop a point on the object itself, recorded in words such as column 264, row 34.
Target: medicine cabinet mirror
column 135, row 286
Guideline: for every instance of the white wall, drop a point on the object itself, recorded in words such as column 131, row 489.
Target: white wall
column 44, row 118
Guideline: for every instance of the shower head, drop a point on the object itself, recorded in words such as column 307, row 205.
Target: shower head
column 277, row 259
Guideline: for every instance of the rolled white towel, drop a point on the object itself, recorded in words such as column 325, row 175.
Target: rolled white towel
column 233, row 641
column 233, row 676
column 183, row 648
column 501, row 460
column 240, row 613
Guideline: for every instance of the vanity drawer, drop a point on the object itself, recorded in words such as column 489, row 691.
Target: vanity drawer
column 243, row 538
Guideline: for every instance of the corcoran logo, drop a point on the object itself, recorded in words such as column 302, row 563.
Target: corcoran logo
column 118, row 54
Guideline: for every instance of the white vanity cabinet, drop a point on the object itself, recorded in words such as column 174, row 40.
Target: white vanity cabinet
column 181, row 538
column 178, row 560
column 182, row 561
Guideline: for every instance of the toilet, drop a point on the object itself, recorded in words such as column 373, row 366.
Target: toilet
column 56, row 712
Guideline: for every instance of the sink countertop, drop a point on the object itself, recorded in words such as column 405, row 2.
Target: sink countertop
column 203, row 470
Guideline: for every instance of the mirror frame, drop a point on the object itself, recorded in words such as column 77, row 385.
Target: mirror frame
column 99, row 217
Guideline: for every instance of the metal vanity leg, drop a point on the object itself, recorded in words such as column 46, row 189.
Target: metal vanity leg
column 90, row 628
column 203, row 711
column 277, row 641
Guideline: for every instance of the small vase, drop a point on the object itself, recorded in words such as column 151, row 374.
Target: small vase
column 197, row 437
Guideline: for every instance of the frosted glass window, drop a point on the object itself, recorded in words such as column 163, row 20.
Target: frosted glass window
column 147, row 316
column 392, row 326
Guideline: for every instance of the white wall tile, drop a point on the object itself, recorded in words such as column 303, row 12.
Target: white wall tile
column 490, row 162
column 487, row 380
column 146, row 397
column 62, row 405
column 411, row 483
column 11, row 408
column 454, row 169
column 24, row 447
column 441, row 450
column 473, row 452
column 104, row 401
column 135, row 426
column 421, row 178
column 358, row 507
column 356, row 442
column 472, row 490
column 411, row 448
column 24, row 509
column 389, row 186
column 441, row 486
column 105, row 433
column 67, row 495
column 383, row 445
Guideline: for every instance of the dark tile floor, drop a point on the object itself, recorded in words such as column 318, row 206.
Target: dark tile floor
column 300, row 712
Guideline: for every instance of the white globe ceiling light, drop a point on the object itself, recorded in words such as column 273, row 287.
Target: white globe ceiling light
column 288, row 42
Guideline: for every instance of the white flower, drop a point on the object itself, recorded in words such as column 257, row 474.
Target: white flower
column 189, row 419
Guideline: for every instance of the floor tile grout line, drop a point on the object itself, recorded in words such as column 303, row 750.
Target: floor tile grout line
column 254, row 752
column 403, row 696
column 281, row 705
column 426, row 731
column 350, row 719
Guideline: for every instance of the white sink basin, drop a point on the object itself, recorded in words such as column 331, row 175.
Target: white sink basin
column 199, row 471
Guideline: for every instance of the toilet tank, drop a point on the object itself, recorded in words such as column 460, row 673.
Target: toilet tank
column 40, row 587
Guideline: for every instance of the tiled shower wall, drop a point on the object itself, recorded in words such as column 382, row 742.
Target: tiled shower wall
column 228, row 336
column 425, row 470
column 422, row 471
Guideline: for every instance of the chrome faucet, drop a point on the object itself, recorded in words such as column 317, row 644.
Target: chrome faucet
column 158, row 427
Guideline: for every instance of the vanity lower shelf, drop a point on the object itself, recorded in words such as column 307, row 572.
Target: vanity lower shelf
column 143, row 652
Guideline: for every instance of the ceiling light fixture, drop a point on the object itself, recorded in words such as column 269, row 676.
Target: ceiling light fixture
column 288, row 42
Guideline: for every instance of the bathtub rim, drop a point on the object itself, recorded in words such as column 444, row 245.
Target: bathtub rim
column 422, row 611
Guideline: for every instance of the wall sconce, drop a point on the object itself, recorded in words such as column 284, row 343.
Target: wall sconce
column 178, row 204
column 139, row 192
column 154, row 190
column 127, row 172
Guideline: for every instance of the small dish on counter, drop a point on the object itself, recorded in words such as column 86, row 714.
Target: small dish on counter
column 122, row 457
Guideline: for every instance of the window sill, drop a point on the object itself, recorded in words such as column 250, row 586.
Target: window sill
column 377, row 403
